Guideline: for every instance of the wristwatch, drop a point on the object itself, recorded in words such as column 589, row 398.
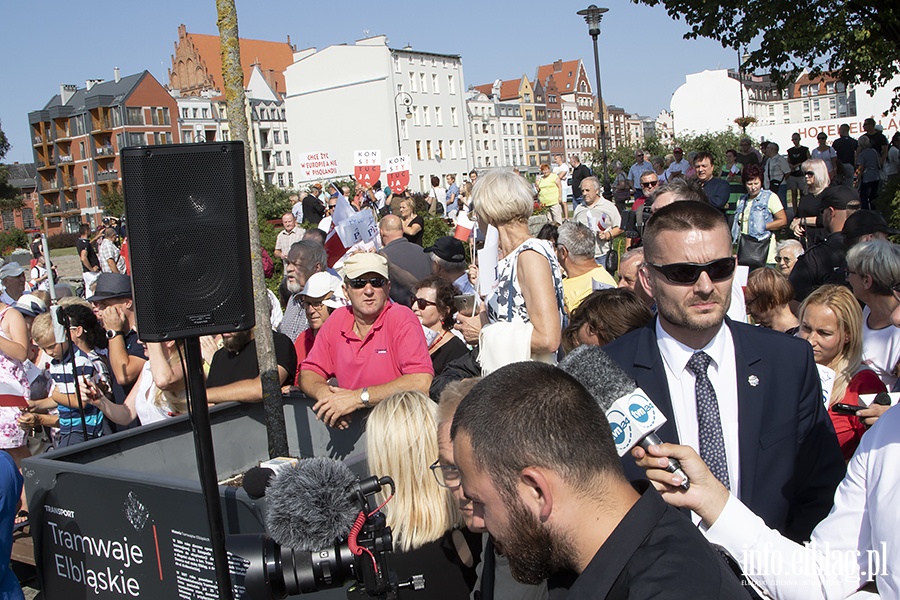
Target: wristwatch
column 110, row 333
column 364, row 397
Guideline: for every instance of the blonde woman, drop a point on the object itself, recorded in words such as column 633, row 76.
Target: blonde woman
column 831, row 321
column 423, row 516
column 807, row 224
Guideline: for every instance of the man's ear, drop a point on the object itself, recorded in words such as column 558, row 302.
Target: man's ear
column 536, row 491
column 646, row 280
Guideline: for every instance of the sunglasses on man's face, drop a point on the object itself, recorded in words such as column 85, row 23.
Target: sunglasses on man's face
column 360, row 282
column 688, row 273
column 649, row 184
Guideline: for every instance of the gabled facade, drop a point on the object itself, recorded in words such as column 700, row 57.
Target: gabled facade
column 77, row 137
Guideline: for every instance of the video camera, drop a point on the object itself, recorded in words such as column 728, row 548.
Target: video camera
column 267, row 569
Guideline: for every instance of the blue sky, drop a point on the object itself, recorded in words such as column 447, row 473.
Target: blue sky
column 643, row 57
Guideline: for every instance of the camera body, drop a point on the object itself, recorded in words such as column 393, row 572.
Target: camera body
column 263, row 568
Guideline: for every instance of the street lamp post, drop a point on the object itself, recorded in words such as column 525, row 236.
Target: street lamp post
column 592, row 16
column 406, row 100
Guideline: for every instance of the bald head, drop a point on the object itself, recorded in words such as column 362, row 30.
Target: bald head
column 391, row 228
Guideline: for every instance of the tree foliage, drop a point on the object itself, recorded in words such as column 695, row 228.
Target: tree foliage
column 271, row 201
column 9, row 196
column 113, row 203
column 853, row 40
column 716, row 143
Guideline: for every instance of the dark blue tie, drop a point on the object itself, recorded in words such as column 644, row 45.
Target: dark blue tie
column 712, row 443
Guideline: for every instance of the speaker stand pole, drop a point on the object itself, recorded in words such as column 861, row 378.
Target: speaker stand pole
column 206, row 464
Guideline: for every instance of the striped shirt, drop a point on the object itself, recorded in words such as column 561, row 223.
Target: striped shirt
column 70, row 423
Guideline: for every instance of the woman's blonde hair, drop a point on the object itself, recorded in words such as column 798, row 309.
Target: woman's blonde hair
column 402, row 442
column 820, row 177
column 845, row 307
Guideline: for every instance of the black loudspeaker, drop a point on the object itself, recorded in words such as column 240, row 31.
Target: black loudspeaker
column 188, row 238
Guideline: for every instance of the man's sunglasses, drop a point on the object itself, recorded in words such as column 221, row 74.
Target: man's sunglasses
column 360, row 282
column 421, row 302
column 649, row 184
column 688, row 273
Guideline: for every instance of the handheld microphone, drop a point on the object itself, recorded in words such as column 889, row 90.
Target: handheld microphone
column 255, row 481
column 310, row 505
column 633, row 418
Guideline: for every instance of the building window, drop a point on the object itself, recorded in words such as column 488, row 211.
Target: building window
column 422, row 83
column 89, row 197
column 85, row 176
column 159, row 116
column 276, row 136
column 412, row 82
column 451, row 84
column 28, row 217
column 281, row 180
column 527, row 97
column 427, row 115
column 135, row 139
column 8, row 220
column 438, row 116
column 435, row 87
column 452, row 150
column 184, row 113
column 462, row 149
column 290, row 180
column 287, row 158
column 454, row 121
column 415, row 112
column 440, row 149
column 134, row 115
column 428, row 149
column 418, row 149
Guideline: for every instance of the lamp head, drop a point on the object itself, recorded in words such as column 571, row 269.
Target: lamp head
column 592, row 16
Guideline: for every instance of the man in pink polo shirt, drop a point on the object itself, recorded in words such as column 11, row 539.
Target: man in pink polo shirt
column 373, row 348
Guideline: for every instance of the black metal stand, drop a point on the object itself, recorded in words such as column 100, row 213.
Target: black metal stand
column 206, row 463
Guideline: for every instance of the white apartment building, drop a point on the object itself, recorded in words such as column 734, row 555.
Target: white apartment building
column 368, row 96
column 484, row 124
column 271, row 140
column 711, row 100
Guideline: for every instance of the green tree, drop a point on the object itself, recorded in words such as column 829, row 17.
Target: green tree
column 854, row 41
column 271, row 201
column 113, row 202
column 714, row 142
column 9, row 196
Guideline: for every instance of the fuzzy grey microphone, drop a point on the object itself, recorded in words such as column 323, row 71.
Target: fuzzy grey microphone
column 607, row 382
column 310, row 506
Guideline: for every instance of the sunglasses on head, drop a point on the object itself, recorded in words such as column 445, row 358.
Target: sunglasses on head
column 688, row 273
column 422, row 303
column 360, row 282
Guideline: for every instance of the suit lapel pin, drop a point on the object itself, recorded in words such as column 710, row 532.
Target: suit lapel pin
column 753, row 380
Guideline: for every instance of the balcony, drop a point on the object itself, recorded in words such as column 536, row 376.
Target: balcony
column 63, row 136
column 98, row 125
column 65, row 158
column 111, row 175
column 49, row 186
column 106, row 151
column 38, row 140
column 50, row 164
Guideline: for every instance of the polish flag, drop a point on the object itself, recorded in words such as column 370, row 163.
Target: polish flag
column 464, row 227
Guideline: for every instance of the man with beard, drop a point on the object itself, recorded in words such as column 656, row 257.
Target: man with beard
column 304, row 258
column 541, row 469
column 747, row 398
column 234, row 371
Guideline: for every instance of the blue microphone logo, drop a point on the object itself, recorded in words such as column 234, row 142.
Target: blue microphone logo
column 622, row 433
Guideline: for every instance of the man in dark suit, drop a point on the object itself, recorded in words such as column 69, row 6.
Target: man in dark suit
column 748, row 399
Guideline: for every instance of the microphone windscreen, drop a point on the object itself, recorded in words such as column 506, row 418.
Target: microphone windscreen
column 882, row 398
column 309, row 506
column 255, row 481
column 601, row 375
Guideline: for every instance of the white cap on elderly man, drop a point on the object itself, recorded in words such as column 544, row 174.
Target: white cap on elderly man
column 322, row 284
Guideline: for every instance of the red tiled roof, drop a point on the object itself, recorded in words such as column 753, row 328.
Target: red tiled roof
column 564, row 81
column 276, row 56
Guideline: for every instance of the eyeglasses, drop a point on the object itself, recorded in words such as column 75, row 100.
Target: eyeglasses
column 446, row 475
column 688, row 273
column 360, row 282
column 809, row 174
column 422, row 303
column 783, row 259
column 649, row 184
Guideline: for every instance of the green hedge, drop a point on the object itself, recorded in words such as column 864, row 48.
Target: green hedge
column 12, row 239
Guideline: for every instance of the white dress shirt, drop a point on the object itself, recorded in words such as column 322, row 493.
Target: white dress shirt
column 680, row 167
column 722, row 373
column 859, row 539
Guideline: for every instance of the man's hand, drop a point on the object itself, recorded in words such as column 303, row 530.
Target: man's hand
column 336, row 405
column 706, row 496
column 113, row 318
column 871, row 413
column 470, row 327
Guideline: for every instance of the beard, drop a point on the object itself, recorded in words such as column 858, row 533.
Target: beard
column 678, row 313
column 534, row 553
column 237, row 341
column 294, row 286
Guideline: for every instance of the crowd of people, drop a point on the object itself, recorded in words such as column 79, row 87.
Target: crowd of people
column 446, row 354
